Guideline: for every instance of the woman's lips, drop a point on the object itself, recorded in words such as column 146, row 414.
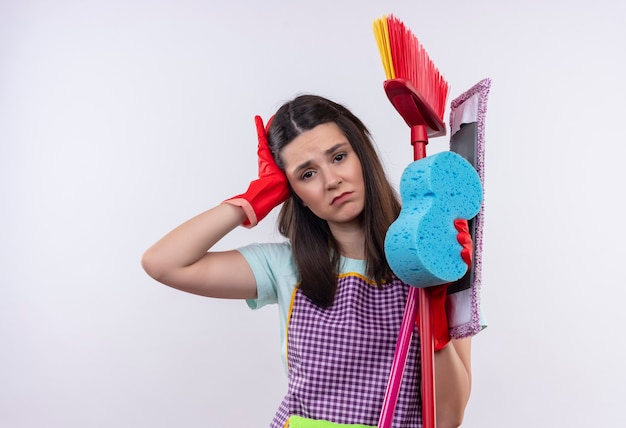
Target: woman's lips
column 341, row 198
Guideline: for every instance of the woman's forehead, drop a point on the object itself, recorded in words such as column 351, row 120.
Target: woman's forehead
column 320, row 140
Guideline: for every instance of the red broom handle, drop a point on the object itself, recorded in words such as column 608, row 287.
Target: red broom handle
column 418, row 297
column 419, row 139
column 427, row 356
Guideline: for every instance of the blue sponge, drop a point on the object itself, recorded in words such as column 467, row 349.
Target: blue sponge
column 421, row 245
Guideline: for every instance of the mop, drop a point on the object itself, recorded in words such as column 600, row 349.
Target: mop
column 421, row 245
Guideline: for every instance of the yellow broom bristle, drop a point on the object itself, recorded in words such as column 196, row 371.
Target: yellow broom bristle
column 404, row 57
column 381, row 32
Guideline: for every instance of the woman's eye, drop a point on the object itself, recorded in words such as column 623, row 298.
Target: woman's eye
column 307, row 175
column 340, row 157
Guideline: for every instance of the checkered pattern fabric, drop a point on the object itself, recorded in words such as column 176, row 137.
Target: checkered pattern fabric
column 339, row 358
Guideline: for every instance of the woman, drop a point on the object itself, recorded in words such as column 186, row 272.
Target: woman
column 340, row 304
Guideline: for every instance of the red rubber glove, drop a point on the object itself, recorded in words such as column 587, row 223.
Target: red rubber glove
column 267, row 191
column 441, row 331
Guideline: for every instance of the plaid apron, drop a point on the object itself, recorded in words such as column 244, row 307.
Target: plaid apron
column 339, row 358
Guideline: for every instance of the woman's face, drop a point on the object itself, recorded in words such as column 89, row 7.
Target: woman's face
column 325, row 172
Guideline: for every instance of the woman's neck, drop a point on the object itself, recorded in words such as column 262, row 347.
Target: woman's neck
column 351, row 240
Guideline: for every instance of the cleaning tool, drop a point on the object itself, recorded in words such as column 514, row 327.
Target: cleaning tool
column 435, row 191
column 467, row 129
column 399, row 50
column 418, row 92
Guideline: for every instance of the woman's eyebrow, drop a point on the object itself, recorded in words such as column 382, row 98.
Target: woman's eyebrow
column 302, row 166
column 334, row 148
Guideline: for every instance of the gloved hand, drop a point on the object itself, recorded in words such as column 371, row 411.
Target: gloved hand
column 441, row 331
column 267, row 191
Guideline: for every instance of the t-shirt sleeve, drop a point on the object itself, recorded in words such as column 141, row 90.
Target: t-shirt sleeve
column 269, row 263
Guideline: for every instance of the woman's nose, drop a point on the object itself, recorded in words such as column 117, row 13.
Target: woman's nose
column 333, row 181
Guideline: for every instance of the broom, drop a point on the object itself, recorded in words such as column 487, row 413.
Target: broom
column 418, row 92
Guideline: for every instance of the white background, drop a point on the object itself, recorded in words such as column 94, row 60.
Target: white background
column 120, row 119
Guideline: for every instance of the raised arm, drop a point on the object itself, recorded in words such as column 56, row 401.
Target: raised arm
column 182, row 259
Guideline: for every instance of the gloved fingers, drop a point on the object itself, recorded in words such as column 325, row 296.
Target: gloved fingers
column 465, row 239
column 263, row 152
column 461, row 225
column 261, row 129
column 267, row 165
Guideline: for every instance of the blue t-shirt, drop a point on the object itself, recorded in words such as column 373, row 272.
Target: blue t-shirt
column 276, row 277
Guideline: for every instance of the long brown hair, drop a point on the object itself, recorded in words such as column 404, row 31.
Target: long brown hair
column 315, row 250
